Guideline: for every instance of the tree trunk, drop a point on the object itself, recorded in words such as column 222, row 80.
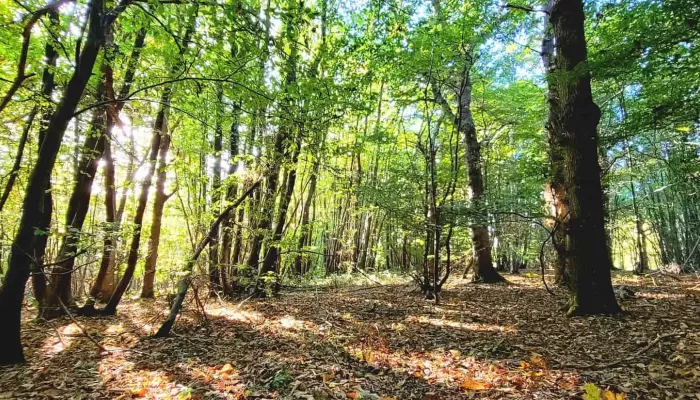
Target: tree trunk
column 12, row 291
column 574, row 117
column 160, row 129
column 161, row 197
column 14, row 172
column 47, row 87
column 109, row 243
column 301, row 263
column 227, row 259
column 59, row 294
column 279, row 154
column 483, row 271
column 554, row 191
column 215, row 282
column 103, row 287
column 273, row 251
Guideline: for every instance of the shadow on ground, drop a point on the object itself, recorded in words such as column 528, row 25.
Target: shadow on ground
column 501, row 341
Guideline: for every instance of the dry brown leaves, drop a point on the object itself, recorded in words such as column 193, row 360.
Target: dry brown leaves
column 502, row 341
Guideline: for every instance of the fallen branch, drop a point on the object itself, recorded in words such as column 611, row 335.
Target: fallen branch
column 82, row 329
column 184, row 283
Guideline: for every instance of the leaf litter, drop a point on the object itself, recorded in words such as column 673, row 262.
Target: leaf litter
column 483, row 341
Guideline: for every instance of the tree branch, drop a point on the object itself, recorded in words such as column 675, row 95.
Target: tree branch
column 27, row 35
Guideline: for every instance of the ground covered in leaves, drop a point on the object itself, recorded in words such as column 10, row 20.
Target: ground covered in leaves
column 386, row 342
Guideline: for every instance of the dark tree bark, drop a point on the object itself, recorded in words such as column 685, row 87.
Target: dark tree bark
column 280, row 153
column 574, row 117
column 59, row 294
column 40, row 242
column 12, row 291
column 109, row 242
column 555, row 191
column 273, row 251
column 483, row 271
column 161, row 197
column 160, row 128
column 464, row 122
column 301, row 264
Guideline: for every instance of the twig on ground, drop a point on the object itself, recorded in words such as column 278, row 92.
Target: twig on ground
column 82, row 329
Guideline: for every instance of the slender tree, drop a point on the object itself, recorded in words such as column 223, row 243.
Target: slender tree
column 149, row 273
column 160, row 130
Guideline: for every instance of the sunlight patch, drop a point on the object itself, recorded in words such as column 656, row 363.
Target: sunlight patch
column 660, row 295
column 56, row 343
column 236, row 315
column 472, row 326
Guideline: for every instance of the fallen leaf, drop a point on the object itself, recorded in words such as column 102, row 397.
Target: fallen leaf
column 608, row 395
column 228, row 368
column 538, row 361
column 473, row 384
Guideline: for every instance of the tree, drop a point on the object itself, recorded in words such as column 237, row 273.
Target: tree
column 12, row 291
column 573, row 119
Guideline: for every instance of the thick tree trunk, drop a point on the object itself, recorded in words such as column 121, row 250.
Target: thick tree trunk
column 161, row 197
column 484, row 270
column 555, row 191
column 574, row 118
column 464, row 122
column 12, row 291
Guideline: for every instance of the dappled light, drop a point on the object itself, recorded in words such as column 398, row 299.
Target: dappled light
column 462, row 325
column 385, row 342
column 62, row 340
column 349, row 200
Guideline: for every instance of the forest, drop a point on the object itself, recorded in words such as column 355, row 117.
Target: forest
column 375, row 199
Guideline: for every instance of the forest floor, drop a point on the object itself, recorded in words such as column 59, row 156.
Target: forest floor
column 482, row 341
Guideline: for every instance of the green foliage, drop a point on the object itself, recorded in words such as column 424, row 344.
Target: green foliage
column 363, row 119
